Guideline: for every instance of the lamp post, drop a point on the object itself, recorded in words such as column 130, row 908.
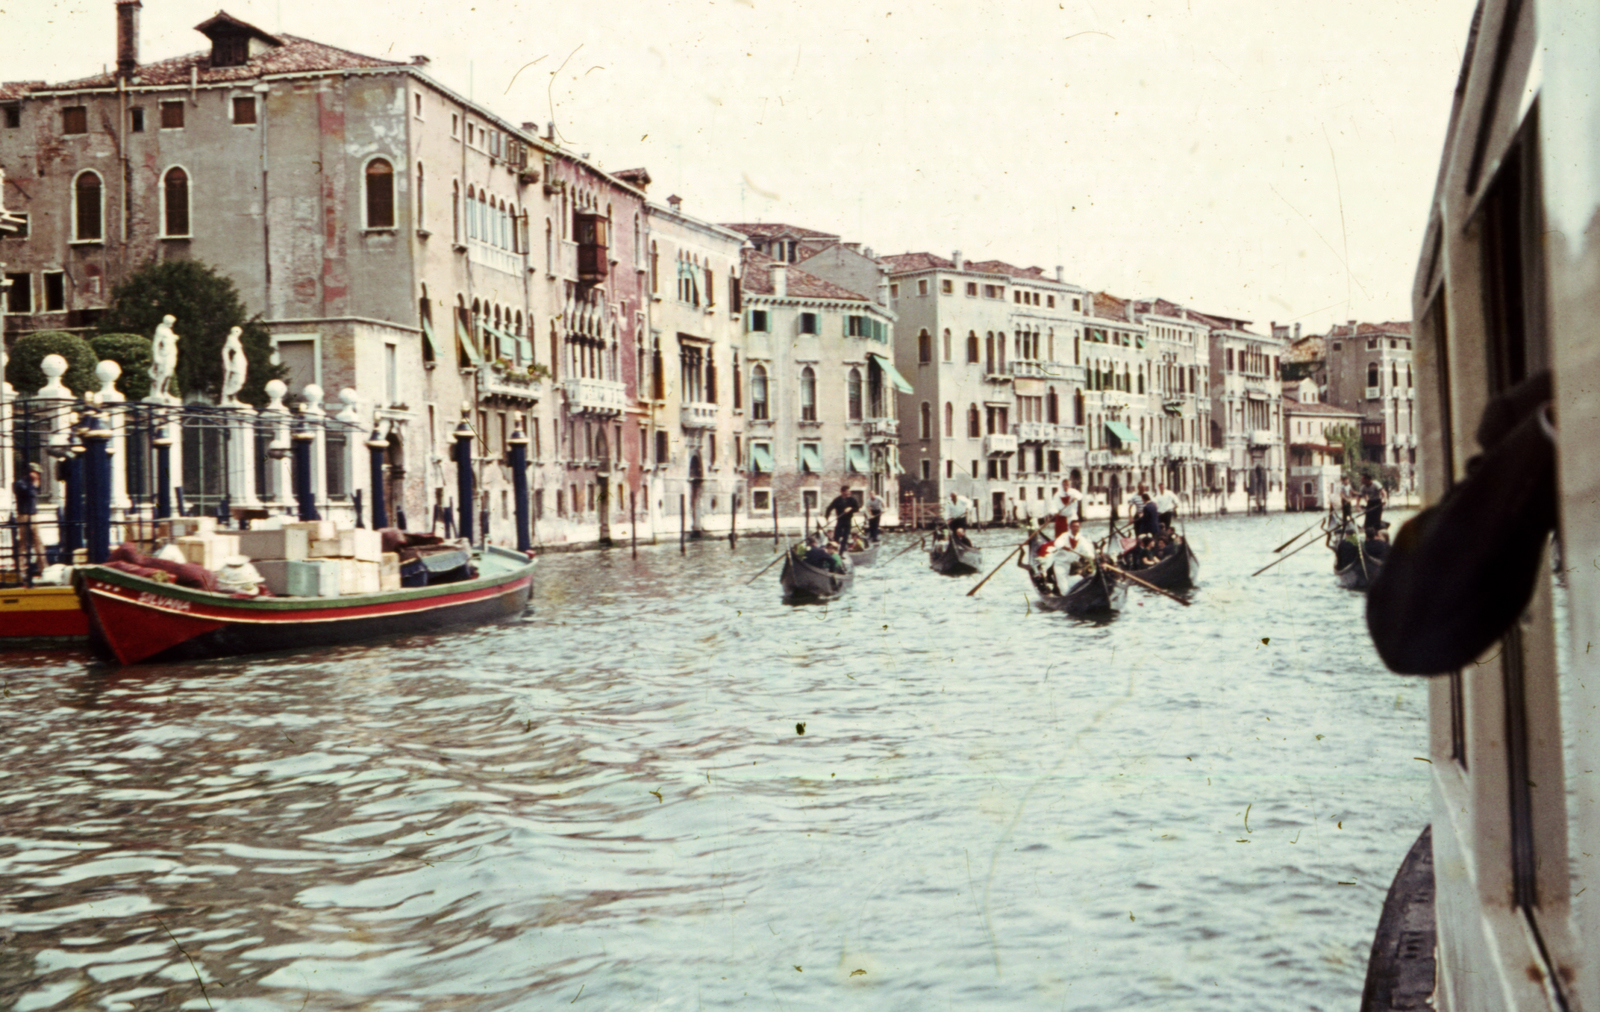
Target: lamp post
column 463, row 455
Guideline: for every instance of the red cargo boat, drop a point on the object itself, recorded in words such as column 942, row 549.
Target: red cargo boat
column 135, row 619
column 40, row 613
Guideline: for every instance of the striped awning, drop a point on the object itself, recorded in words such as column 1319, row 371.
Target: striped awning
column 889, row 370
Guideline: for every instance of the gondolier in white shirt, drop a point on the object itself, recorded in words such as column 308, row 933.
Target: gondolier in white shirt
column 956, row 513
column 1069, row 505
column 1166, row 505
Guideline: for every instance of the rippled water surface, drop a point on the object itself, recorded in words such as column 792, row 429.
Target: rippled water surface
column 609, row 804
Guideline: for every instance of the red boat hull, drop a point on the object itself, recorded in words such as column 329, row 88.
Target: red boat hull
column 136, row 620
column 39, row 613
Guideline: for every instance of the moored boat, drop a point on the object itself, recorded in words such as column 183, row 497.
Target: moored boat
column 135, row 619
column 40, row 613
column 804, row 582
column 952, row 558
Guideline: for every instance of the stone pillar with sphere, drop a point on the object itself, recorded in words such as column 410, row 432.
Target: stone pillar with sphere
column 348, row 421
column 278, row 421
column 314, row 417
column 109, row 398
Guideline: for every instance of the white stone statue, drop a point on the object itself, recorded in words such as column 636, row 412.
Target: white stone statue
column 234, row 368
column 163, row 361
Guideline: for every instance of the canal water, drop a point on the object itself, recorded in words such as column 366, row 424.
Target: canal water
column 666, row 789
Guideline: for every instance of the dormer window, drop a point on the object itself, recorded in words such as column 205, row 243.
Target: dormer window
column 230, row 51
column 232, row 39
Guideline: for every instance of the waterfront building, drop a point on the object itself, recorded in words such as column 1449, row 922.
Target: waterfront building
column 1315, row 460
column 1369, row 370
column 692, row 358
column 1179, row 377
column 1118, row 411
column 1247, row 414
column 386, row 228
column 821, row 391
column 995, row 353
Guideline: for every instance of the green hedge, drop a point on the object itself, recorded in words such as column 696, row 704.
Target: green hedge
column 132, row 352
column 24, row 374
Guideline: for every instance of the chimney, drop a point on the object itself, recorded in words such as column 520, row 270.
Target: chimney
column 1060, row 274
column 551, row 134
column 1297, row 332
column 420, row 61
column 780, row 280
column 676, row 202
column 532, row 128
column 127, row 37
column 960, row 261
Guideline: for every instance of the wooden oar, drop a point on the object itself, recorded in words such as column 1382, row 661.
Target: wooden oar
column 1302, row 534
column 769, row 565
column 1274, row 562
column 903, row 551
column 1005, row 560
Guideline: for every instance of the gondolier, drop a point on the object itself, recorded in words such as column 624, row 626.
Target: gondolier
column 1376, row 497
column 875, row 508
column 1069, row 505
column 956, row 512
column 1166, row 505
column 1148, row 518
column 846, row 506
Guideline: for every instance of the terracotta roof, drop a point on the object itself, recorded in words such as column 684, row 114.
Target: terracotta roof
column 777, row 230
column 1292, row 406
column 757, row 280
column 901, row 263
column 1307, row 349
column 1396, row 328
column 295, row 56
column 17, row 89
column 1109, row 307
column 1001, row 267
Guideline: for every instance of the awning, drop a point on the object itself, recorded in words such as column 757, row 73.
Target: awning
column 1121, row 433
column 760, row 458
column 499, row 335
column 427, row 335
column 811, row 458
column 888, row 368
column 856, row 458
column 1172, row 409
column 465, row 337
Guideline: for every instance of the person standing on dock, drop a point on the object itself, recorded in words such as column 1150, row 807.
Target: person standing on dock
column 26, row 492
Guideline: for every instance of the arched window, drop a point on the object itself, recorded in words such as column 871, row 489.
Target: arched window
column 949, row 418
column 808, row 394
column 1077, row 407
column 421, row 221
column 973, row 430
column 947, row 344
column 380, row 194
column 988, row 351
column 175, row 203
column 853, row 394
column 924, row 347
column 655, row 268
column 758, row 393
column 972, row 346
column 1372, row 375
column 1052, row 408
column 549, row 248
column 1141, row 379
column 1394, row 377
column 483, row 217
column 1408, row 376
column 472, row 212
column 925, row 420
column 88, row 220
column 455, row 210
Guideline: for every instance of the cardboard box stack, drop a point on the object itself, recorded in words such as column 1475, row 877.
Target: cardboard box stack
column 294, row 558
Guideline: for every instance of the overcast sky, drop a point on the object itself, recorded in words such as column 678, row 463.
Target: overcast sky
column 1268, row 160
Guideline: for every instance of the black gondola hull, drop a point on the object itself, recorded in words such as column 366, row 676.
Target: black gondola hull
column 952, row 559
column 802, row 581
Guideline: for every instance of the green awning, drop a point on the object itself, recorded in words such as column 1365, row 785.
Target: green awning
column 427, row 335
column 1172, row 409
column 465, row 337
column 760, row 458
column 888, row 368
column 500, row 336
column 811, row 458
column 1123, row 435
column 856, row 458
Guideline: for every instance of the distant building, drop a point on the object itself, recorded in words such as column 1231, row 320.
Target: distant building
column 1316, row 462
column 1247, row 413
column 1370, row 371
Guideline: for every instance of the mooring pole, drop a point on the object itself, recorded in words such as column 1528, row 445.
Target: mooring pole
column 683, row 546
column 519, row 486
column 633, row 521
column 463, row 451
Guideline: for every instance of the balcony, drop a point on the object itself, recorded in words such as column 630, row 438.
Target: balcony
column 1069, row 436
column 481, row 254
column 997, row 377
column 1034, row 432
column 881, row 428
column 1409, row 439
column 1374, row 393
column 999, row 445
column 1263, row 437
column 698, row 415
column 1180, row 451
column 509, row 382
column 595, row 396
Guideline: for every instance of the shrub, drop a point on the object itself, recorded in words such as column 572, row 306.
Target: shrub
column 132, row 352
column 25, row 375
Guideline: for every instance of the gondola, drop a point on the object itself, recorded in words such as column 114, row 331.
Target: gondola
column 1359, row 575
column 865, row 558
column 1099, row 594
column 1176, row 572
column 950, row 557
column 805, row 582
column 135, row 619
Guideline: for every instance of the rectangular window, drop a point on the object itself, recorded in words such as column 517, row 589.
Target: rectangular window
column 75, row 119
column 947, row 287
column 172, row 115
column 19, row 294
column 13, row 115
column 455, row 131
column 972, row 289
column 922, row 287
column 808, row 499
column 809, row 324
column 1077, row 305
column 244, row 110
column 55, row 291
column 758, row 320
column 136, row 121
column 417, row 107
column 994, row 291
column 761, row 500
column 391, row 375
column 927, row 469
